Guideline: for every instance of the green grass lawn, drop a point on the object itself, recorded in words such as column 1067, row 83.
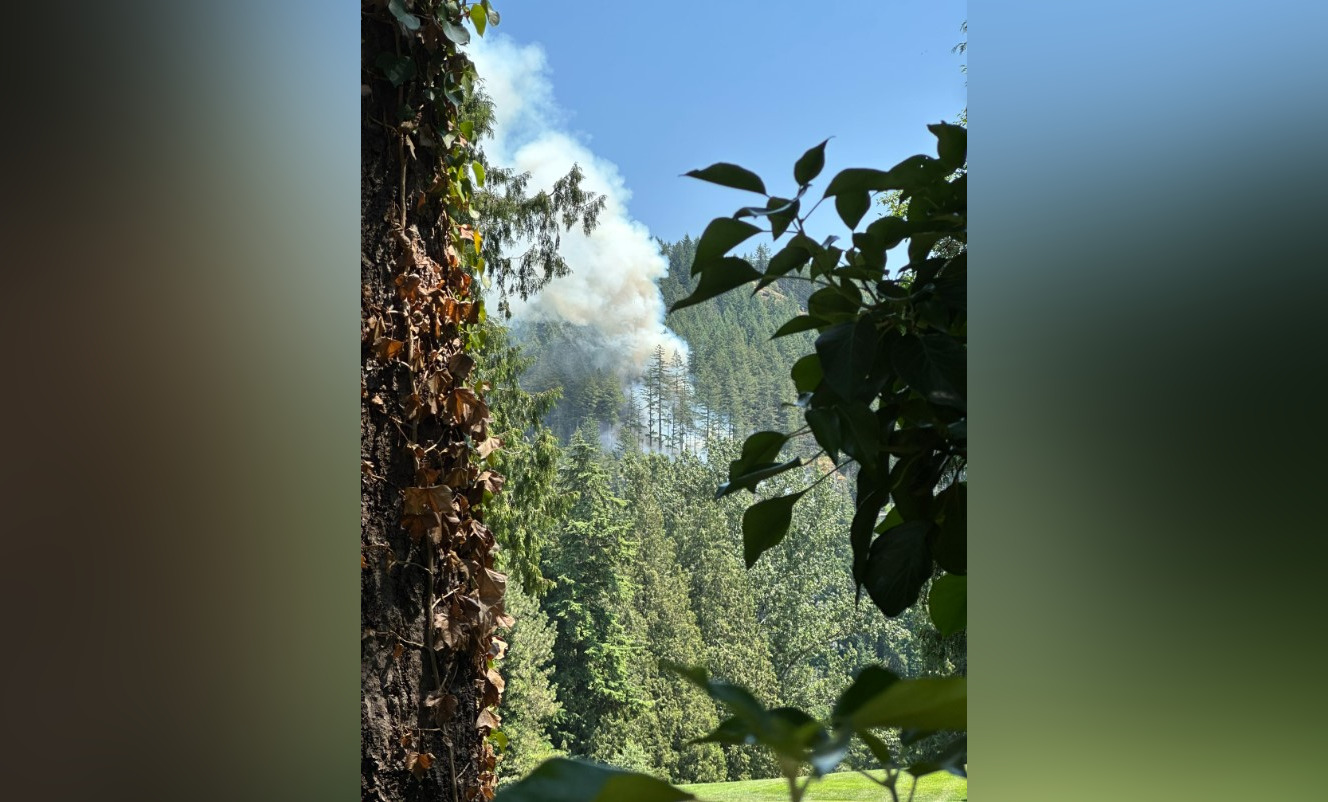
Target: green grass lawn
column 847, row 785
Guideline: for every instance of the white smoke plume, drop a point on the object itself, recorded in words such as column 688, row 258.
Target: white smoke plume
column 611, row 285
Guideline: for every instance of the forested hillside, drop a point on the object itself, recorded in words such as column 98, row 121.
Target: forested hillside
column 627, row 560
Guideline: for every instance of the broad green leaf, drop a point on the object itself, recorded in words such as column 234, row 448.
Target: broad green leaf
column 719, row 238
column 852, row 206
column 408, row 20
column 397, row 69
column 954, row 757
column 862, row 526
column 889, row 231
column 479, row 18
column 928, row 703
column 564, row 780
column 806, row 373
column 730, row 175
column 832, row 304
column 781, row 218
column 898, row 565
column 730, row 731
column 810, row 165
column 790, row 258
column 757, row 449
column 950, row 545
column 739, row 700
column 870, row 683
column 947, row 601
column 830, row 752
column 824, row 423
column 748, row 481
column 772, row 206
column 858, row 179
column 718, row 278
column 935, row 365
column 797, row 324
column 916, row 172
column 847, row 351
column 862, row 433
column 765, row 524
column 951, row 144
column 760, row 450
column 479, row 172
column 456, row 33
column 878, row 748
column 826, row 258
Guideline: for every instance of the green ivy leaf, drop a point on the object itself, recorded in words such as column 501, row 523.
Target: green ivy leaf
column 564, row 780
column 720, row 237
column 898, row 565
column 397, row 69
column 730, row 175
column 765, row 524
column 479, row 172
column 454, row 32
column 408, row 21
column 479, row 18
column 810, row 165
column 948, row 604
column 718, row 278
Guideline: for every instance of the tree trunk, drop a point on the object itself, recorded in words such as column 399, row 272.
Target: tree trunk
column 429, row 599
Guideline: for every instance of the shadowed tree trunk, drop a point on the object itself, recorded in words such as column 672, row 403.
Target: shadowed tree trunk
column 430, row 601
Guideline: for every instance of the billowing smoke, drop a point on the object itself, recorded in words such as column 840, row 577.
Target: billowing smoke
column 611, row 289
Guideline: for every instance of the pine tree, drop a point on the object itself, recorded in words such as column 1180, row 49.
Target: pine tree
column 590, row 601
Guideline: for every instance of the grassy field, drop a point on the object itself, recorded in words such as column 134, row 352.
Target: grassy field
column 841, row 787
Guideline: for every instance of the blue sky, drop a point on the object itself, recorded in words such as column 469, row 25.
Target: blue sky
column 662, row 88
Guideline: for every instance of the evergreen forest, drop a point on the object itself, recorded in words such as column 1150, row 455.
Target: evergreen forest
column 637, row 564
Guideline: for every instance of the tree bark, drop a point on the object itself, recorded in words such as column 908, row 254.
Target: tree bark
column 429, row 599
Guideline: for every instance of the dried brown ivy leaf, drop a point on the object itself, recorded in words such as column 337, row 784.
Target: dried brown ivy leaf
column 488, row 719
column 418, row 763
column 387, row 348
column 444, row 706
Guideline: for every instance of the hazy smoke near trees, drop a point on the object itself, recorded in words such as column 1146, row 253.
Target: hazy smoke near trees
column 611, row 289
